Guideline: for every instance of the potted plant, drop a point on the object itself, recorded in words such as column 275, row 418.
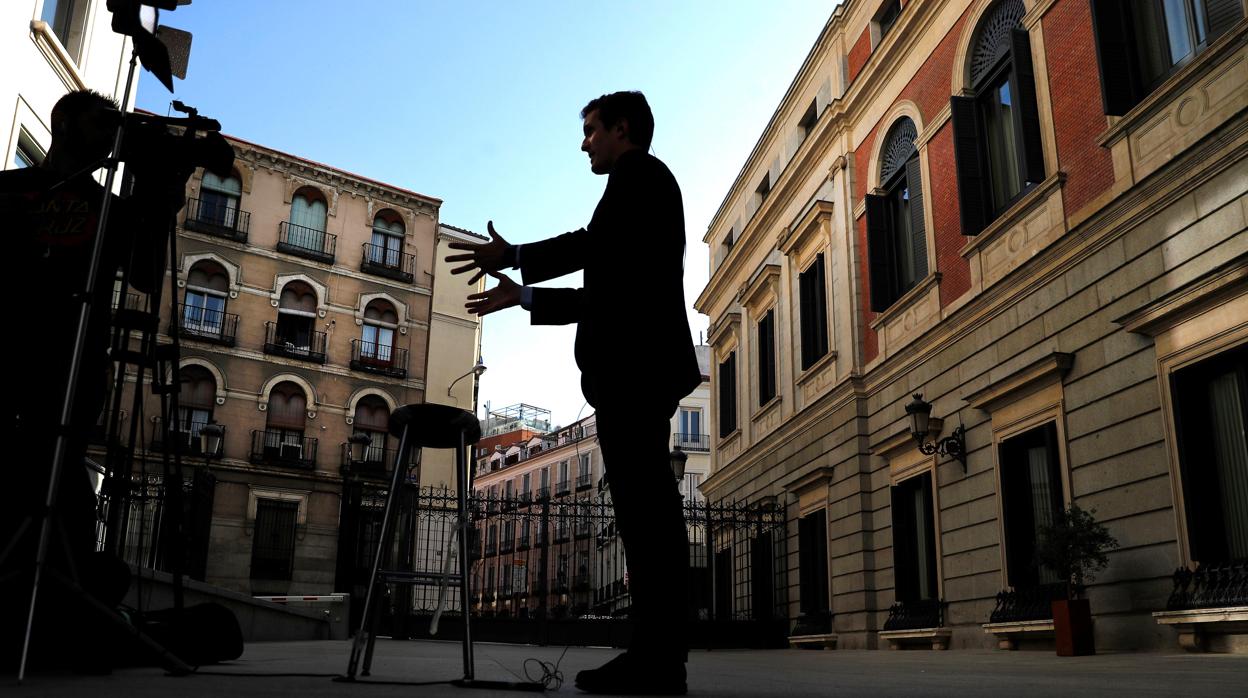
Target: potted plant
column 1074, row 546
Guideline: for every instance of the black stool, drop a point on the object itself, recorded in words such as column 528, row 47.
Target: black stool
column 423, row 426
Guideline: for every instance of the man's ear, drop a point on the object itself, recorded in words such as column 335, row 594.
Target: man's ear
column 621, row 126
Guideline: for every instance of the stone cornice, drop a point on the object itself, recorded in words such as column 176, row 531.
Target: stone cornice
column 1191, row 299
column 1046, row 370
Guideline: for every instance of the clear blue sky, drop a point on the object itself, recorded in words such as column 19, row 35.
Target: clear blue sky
column 477, row 103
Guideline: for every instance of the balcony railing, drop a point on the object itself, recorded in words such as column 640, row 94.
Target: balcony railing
column 1217, row 585
column 186, row 441
column 584, row 481
column 543, row 493
column 1031, row 603
column 505, row 545
column 214, row 219
column 691, row 442
column 277, row 448
column 375, row 464
column 564, row 487
column 306, row 242
column 390, row 263
column 308, row 346
column 912, row 615
column 198, row 322
column 384, row 359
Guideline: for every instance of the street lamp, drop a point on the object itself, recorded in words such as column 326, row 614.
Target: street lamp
column 954, row 445
column 210, row 437
column 678, row 459
column 358, row 446
column 476, row 370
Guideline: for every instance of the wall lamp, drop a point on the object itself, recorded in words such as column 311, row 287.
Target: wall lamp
column 476, row 370
column 954, row 445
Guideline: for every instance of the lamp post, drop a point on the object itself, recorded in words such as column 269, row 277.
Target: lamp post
column 954, row 445
column 678, row 460
column 210, row 437
column 357, row 446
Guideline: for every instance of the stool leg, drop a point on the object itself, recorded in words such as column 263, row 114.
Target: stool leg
column 461, row 479
column 366, row 617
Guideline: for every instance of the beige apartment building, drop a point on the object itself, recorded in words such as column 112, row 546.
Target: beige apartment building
column 51, row 47
column 1031, row 213
column 306, row 314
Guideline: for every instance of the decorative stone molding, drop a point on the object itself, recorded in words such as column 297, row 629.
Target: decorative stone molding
column 760, row 290
column 1200, row 628
column 322, row 291
column 400, row 308
column 1183, row 110
column 254, row 493
column 809, row 234
column 811, row 489
column 905, row 460
column 217, row 376
column 362, row 393
column 967, row 40
column 902, row 109
column 56, row 55
column 767, row 417
column 233, row 271
column 917, row 311
column 1008, row 634
column 294, row 183
column 1025, row 229
column 1193, row 298
column 374, row 206
column 723, row 334
column 1048, row 370
column 262, row 401
column 817, row 378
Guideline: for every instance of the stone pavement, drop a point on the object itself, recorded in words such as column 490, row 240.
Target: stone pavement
column 788, row 673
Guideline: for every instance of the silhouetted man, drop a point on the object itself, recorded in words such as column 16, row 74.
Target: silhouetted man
column 636, row 356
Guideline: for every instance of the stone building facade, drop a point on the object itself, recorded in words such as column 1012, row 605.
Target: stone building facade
column 1032, row 213
column 305, row 313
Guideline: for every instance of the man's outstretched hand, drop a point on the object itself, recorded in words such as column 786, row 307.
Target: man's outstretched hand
column 504, row 295
column 483, row 257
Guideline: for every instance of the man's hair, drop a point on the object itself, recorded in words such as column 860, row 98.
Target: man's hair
column 629, row 106
column 79, row 102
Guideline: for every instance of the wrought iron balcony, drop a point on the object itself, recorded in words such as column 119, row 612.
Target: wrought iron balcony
column 543, row 493
column 197, row 322
column 186, row 442
column 308, row 346
column 691, row 442
column 372, row 357
column 306, row 242
column 1031, row 603
column 491, row 547
column 390, row 263
column 505, row 545
column 912, row 615
column 375, row 464
column 285, row 450
column 215, row 219
column 562, row 488
column 1210, row 586
column 584, row 481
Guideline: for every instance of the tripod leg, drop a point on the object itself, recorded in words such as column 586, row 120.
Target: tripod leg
column 372, row 642
column 366, row 624
column 461, row 480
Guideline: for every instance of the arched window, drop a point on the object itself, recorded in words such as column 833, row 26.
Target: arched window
column 896, row 236
column 386, row 246
column 997, row 148
column 372, row 419
column 197, row 392
column 203, row 308
column 304, row 234
column 294, row 334
column 282, row 441
column 377, row 334
column 218, row 200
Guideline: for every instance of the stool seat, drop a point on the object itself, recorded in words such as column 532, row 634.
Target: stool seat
column 435, row 426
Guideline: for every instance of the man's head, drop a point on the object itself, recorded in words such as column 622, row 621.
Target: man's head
column 83, row 125
column 615, row 124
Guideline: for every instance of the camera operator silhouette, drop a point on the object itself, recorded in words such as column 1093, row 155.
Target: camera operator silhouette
column 51, row 213
column 636, row 356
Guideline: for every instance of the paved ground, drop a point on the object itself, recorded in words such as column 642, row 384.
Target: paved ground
column 788, row 673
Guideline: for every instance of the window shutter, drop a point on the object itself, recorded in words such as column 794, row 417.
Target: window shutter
column 1028, row 113
column 879, row 257
column 929, row 538
column 819, row 301
column 1222, row 15
column 1113, row 55
column 969, row 164
column 727, row 396
column 918, row 233
column 807, row 310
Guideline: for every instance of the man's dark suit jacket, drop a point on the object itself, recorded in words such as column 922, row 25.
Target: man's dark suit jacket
column 632, row 339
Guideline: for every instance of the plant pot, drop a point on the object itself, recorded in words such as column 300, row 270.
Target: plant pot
column 1072, row 627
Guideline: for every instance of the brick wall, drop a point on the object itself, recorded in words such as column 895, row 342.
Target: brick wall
column 1075, row 90
column 870, row 343
column 942, row 196
column 859, row 54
